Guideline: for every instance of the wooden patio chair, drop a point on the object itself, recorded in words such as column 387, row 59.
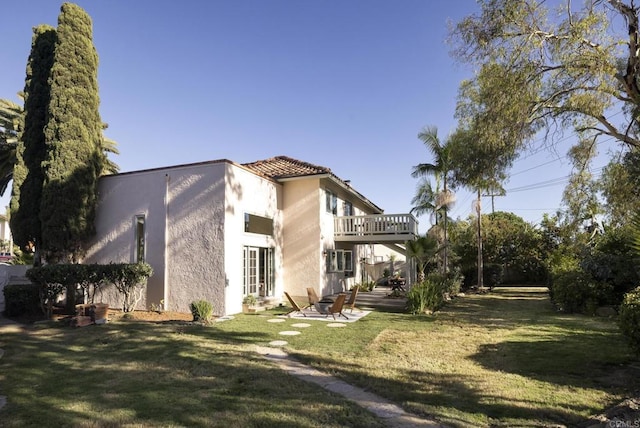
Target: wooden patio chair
column 351, row 303
column 313, row 297
column 335, row 308
column 294, row 306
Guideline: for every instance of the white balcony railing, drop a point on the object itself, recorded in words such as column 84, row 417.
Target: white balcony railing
column 388, row 227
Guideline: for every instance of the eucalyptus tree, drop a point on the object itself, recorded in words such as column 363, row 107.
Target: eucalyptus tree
column 619, row 184
column 575, row 66
column 440, row 168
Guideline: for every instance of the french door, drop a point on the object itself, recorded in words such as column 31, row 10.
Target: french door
column 258, row 271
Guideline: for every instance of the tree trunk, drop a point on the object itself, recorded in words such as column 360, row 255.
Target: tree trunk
column 480, row 269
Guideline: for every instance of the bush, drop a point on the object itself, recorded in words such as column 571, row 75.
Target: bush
column 492, row 274
column 129, row 279
column 202, row 311
column 629, row 318
column 429, row 295
column 21, row 299
column 365, row 286
column 576, row 291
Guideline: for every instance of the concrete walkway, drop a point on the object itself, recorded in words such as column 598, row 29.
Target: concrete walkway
column 392, row 414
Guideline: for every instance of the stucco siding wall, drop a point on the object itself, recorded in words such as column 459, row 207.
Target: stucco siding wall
column 248, row 193
column 195, row 230
column 302, row 250
column 121, row 198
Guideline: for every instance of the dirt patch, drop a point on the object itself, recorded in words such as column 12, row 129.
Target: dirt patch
column 625, row 414
column 152, row 316
column 113, row 314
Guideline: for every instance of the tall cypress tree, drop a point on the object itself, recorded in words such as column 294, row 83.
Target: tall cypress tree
column 73, row 135
column 30, row 152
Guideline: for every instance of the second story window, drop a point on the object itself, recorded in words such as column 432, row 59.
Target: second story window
column 257, row 224
column 348, row 208
column 339, row 261
column 331, row 202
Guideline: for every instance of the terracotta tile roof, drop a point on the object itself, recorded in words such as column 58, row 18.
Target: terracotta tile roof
column 285, row 167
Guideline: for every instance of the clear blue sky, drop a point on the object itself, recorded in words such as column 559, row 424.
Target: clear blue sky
column 343, row 84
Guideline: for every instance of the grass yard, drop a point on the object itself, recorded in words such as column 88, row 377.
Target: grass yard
column 501, row 359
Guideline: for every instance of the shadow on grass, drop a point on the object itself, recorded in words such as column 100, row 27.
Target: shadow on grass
column 598, row 361
column 427, row 393
column 154, row 375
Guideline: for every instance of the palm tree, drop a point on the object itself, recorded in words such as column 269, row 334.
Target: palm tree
column 11, row 120
column 422, row 250
column 424, row 202
column 440, row 169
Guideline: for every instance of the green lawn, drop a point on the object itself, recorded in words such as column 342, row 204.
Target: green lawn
column 504, row 358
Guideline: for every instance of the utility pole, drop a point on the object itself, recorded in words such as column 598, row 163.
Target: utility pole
column 492, row 195
column 480, row 269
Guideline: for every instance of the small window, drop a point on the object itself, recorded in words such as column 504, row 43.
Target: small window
column 339, row 261
column 348, row 208
column 140, row 239
column 257, row 224
column 332, row 202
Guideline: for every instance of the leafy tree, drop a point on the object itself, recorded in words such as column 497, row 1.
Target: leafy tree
column 509, row 242
column 30, row 152
column 552, row 70
column 73, row 134
column 479, row 165
column 619, row 183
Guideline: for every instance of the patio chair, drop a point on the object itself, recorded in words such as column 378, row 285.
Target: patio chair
column 294, row 306
column 335, row 308
column 313, row 297
column 351, row 303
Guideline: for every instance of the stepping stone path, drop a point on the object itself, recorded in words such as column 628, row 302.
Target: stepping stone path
column 394, row 415
column 301, row 325
column 289, row 333
column 336, row 324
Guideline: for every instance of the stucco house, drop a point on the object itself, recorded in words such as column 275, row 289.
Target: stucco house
column 220, row 230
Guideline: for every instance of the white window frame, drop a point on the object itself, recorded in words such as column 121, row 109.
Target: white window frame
column 331, row 202
column 339, row 261
column 140, row 228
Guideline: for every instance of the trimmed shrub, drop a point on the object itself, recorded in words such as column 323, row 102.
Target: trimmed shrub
column 202, row 311
column 21, row 299
column 129, row 279
column 629, row 318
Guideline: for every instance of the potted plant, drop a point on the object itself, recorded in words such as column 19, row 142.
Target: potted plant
column 248, row 303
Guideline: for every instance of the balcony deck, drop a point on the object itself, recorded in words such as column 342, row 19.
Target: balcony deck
column 378, row 228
